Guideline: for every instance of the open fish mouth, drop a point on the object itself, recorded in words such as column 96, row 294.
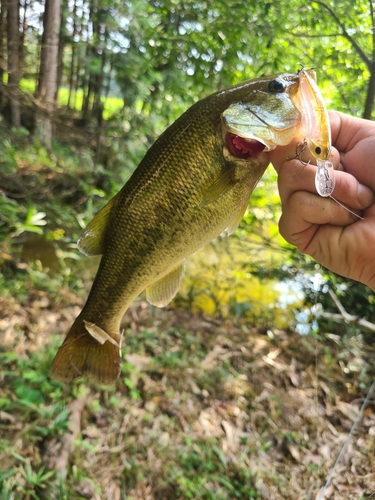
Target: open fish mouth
column 242, row 147
column 261, row 124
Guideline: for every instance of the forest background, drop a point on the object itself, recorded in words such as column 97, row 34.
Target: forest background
column 276, row 368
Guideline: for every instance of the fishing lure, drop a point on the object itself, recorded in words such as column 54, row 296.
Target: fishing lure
column 315, row 123
column 324, row 179
column 315, row 120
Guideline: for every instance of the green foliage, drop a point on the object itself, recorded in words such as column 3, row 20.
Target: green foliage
column 35, row 481
column 47, row 198
column 200, row 464
column 156, row 59
column 39, row 406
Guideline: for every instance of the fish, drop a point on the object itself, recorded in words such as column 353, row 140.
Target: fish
column 193, row 184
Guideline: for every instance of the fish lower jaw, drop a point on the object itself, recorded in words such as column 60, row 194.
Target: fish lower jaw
column 261, row 158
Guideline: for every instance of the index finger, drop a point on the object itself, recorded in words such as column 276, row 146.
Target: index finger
column 355, row 140
column 347, row 130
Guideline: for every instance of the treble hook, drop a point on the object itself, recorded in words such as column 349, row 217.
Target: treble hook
column 299, row 152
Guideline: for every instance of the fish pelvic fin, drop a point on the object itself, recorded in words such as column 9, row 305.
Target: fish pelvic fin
column 87, row 351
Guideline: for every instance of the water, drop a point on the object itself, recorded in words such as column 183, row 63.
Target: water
column 218, row 280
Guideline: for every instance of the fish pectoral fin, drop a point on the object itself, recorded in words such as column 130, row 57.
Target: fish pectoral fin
column 221, row 186
column 162, row 291
column 92, row 239
column 237, row 219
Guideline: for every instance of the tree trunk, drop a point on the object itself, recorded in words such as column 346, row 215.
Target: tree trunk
column 14, row 62
column 71, row 76
column 2, row 53
column 60, row 54
column 73, row 59
column 370, row 97
column 78, row 80
column 109, row 78
column 87, row 95
column 48, row 71
column 22, row 36
column 99, row 79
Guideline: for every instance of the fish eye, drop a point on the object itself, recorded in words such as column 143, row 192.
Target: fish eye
column 318, row 150
column 276, row 86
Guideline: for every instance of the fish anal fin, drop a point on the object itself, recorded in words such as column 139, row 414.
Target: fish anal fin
column 82, row 355
column 162, row 291
column 92, row 239
column 221, row 186
column 237, row 219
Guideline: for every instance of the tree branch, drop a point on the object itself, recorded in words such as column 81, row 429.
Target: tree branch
column 358, row 49
column 349, row 318
column 67, row 442
column 373, row 28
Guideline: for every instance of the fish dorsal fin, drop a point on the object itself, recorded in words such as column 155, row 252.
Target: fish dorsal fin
column 92, row 239
column 221, row 186
column 162, row 291
column 237, row 219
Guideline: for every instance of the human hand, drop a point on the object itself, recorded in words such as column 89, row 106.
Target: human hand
column 320, row 227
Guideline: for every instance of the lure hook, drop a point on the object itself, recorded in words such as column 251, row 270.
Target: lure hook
column 299, row 150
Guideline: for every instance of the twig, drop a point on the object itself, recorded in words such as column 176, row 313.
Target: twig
column 343, row 449
column 346, row 34
column 350, row 318
column 67, row 444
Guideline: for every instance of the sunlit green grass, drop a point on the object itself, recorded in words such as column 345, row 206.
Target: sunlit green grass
column 112, row 105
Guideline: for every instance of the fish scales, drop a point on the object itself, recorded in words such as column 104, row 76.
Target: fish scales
column 187, row 190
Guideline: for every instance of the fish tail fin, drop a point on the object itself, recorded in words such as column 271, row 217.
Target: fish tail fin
column 87, row 351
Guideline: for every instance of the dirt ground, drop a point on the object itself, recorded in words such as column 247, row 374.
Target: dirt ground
column 204, row 408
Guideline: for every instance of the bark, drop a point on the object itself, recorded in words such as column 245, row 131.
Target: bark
column 73, row 59
column 370, row 97
column 77, row 81
column 87, row 96
column 22, row 36
column 95, row 52
column 60, row 54
column 98, row 87
column 48, row 71
column 14, row 62
column 87, row 83
column 2, row 53
column 109, row 77
column 42, row 59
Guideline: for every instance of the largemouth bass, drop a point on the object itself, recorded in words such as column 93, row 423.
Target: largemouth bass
column 193, row 183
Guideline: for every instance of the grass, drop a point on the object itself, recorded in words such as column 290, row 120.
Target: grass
column 202, row 410
column 112, row 105
column 205, row 408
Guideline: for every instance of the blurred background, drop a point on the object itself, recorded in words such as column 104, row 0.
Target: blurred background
column 246, row 384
